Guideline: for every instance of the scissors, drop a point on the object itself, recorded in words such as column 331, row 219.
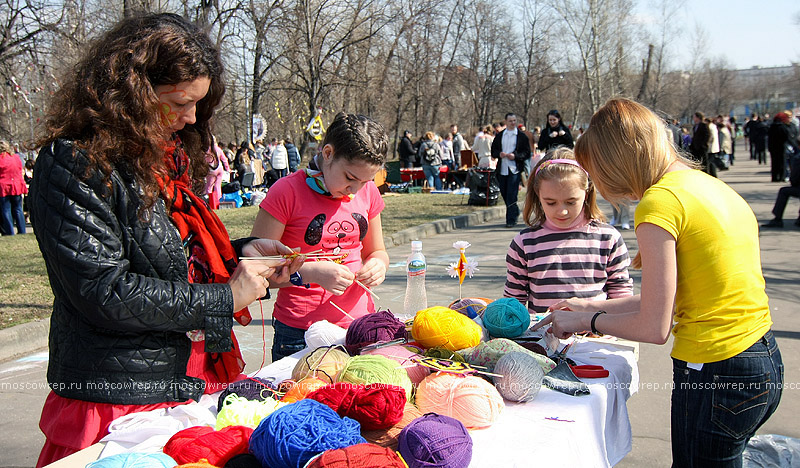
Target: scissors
column 589, row 371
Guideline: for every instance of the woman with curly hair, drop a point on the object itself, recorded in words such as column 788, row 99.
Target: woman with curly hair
column 116, row 204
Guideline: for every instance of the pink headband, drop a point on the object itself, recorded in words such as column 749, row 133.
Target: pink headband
column 550, row 162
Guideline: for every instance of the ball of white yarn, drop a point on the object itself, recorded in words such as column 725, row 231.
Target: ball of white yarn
column 521, row 376
column 324, row 333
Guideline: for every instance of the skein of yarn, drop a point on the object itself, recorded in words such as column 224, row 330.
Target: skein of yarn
column 292, row 435
column 202, row 442
column 487, row 354
column 506, row 318
column 373, row 328
column 238, row 411
column 251, row 388
column 358, row 456
column 401, row 354
column 521, row 376
column 323, row 363
column 470, row 306
column 442, row 353
column 134, row 460
column 302, row 389
column 435, row 440
column 472, row 400
column 369, row 369
column 201, row 464
column 376, row 406
column 440, row 326
column 324, row 333
column 388, row 437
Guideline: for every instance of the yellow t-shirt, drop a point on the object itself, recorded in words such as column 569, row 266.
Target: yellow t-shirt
column 721, row 307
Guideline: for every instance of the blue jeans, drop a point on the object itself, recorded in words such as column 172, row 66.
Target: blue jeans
column 11, row 211
column 288, row 340
column 717, row 409
column 432, row 174
column 509, row 189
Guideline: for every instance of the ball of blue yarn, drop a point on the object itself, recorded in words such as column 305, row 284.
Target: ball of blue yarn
column 292, row 435
column 520, row 376
column 135, row 460
column 506, row 318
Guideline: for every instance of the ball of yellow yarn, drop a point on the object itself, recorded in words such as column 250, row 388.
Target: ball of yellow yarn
column 322, row 363
column 238, row 411
column 472, row 400
column 440, row 326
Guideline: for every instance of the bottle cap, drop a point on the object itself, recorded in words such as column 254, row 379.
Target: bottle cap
column 416, row 246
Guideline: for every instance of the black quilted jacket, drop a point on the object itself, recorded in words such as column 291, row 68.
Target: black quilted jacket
column 123, row 303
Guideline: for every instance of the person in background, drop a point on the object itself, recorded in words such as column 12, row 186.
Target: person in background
column 567, row 250
column 725, row 140
column 332, row 206
column 759, row 129
column 448, row 156
column 430, row 154
column 777, row 138
column 701, row 137
column 483, row 148
column 701, row 281
column 406, row 151
column 459, row 142
column 292, row 154
column 511, row 148
column 713, row 146
column 12, row 188
column 793, row 190
column 280, row 159
column 555, row 133
column 217, row 167
column 138, row 263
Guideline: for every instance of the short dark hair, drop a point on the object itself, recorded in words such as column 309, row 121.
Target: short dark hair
column 700, row 115
column 509, row 114
column 357, row 137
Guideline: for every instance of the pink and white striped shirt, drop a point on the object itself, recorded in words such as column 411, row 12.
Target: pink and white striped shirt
column 546, row 264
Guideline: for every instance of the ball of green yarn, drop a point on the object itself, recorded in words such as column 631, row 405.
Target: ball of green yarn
column 444, row 353
column 506, row 318
column 372, row 369
column 487, row 354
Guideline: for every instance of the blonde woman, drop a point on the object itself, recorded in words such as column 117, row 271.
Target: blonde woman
column 701, row 269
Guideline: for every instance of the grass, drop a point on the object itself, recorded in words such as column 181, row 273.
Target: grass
column 25, row 293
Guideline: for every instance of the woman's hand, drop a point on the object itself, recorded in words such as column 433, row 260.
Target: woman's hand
column 553, row 134
column 372, row 273
column 575, row 304
column 267, row 247
column 249, row 282
column 561, row 133
column 564, row 323
column 333, row 277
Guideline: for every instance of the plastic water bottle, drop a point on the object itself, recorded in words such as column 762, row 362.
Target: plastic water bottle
column 416, row 267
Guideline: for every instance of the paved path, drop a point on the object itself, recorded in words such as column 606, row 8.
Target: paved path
column 24, row 388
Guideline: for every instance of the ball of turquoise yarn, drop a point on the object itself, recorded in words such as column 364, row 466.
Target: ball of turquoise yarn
column 520, row 376
column 506, row 318
column 135, row 460
column 292, row 435
column 371, row 369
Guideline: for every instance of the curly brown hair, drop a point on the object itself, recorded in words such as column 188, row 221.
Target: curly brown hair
column 109, row 108
column 357, row 137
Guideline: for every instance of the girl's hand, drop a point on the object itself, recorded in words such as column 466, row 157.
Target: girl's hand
column 553, row 134
column 249, row 282
column 372, row 273
column 331, row 276
column 561, row 133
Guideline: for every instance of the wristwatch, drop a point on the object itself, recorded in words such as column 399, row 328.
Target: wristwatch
column 297, row 280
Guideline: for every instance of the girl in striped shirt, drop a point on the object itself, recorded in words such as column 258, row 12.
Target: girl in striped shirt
column 567, row 250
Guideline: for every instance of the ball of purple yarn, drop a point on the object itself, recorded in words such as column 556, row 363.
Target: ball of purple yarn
column 435, row 440
column 372, row 328
column 249, row 388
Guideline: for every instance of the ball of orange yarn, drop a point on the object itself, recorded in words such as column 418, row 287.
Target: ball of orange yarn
column 201, row 464
column 376, row 406
column 358, row 456
column 388, row 437
column 440, row 326
column 302, row 389
column 472, row 400
column 203, row 442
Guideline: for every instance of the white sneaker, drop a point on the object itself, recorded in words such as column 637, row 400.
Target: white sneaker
column 625, row 227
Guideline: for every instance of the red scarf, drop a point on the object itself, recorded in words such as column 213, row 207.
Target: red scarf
column 211, row 258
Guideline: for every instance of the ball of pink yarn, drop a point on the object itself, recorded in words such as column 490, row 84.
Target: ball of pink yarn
column 401, row 354
column 472, row 400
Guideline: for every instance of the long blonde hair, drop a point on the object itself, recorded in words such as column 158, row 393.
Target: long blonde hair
column 626, row 150
column 533, row 213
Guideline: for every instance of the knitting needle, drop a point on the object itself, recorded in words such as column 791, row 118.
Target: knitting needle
column 366, row 289
column 341, row 310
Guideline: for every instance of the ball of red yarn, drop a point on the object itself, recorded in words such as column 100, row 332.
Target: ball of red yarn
column 358, row 456
column 375, row 406
column 217, row 447
column 372, row 328
column 388, row 437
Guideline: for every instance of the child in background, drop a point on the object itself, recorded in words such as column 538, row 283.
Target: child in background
column 568, row 251
column 333, row 207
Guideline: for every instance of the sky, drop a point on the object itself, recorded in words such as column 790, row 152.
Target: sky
column 747, row 33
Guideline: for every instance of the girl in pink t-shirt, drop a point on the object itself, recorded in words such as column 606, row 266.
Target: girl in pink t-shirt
column 333, row 207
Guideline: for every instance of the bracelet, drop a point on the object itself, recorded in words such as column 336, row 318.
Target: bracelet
column 297, row 280
column 597, row 314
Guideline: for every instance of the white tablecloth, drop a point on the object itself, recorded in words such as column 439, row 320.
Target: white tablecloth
column 590, row 430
